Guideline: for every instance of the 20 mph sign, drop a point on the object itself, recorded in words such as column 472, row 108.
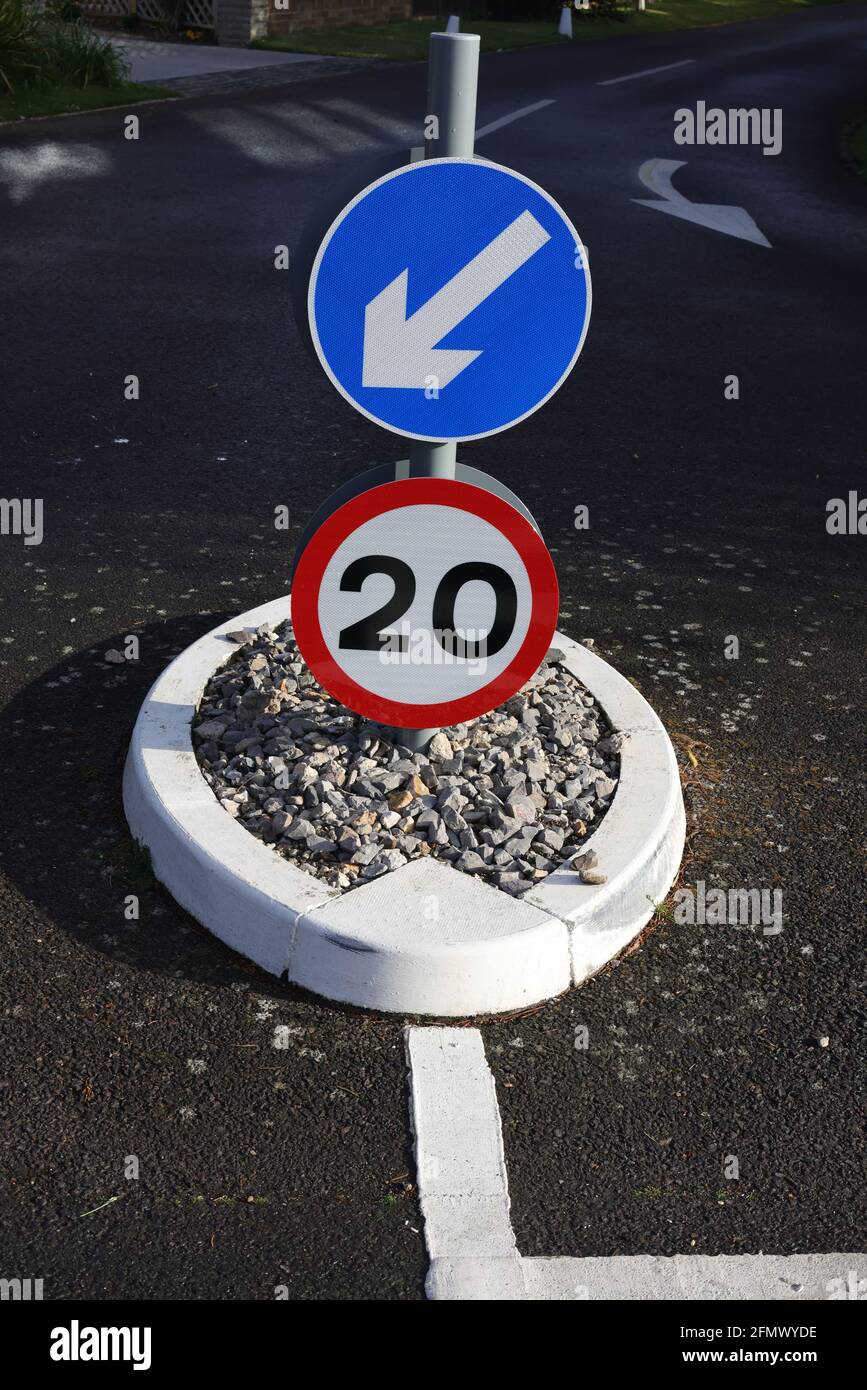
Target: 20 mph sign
column 424, row 602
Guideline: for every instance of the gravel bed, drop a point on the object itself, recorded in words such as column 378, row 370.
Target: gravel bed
column 507, row 797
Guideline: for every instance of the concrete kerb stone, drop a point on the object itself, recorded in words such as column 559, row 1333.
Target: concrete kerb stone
column 426, row 939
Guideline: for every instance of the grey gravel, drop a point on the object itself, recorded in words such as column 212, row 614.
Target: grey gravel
column 506, row 799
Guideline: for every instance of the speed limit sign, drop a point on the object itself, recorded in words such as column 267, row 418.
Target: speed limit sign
column 424, row 602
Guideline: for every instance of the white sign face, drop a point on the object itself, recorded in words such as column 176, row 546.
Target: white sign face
column 424, row 602
column 429, row 543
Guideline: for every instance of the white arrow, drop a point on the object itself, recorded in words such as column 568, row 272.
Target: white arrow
column 402, row 352
column 656, row 174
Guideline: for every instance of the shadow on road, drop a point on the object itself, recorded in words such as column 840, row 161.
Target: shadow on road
column 64, row 841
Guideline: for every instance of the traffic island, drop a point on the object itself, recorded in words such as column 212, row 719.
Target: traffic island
column 428, row 936
column 454, row 809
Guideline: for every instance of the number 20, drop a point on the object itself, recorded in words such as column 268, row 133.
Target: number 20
column 366, row 634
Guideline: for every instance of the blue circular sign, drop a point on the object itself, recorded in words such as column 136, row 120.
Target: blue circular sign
column 449, row 299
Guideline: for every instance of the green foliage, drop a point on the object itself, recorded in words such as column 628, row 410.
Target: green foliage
column 53, row 101
column 77, row 57
column 21, row 29
column 53, row 47
column 63, row 10
column 605, row 9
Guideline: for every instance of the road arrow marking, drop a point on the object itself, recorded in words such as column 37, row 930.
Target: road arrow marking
column 656, row 174
column 401, row 352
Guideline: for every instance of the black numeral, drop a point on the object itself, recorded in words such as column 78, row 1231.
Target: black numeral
column 366, row 635
column 506, row 610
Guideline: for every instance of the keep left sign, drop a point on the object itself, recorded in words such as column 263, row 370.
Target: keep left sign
column 450, row 299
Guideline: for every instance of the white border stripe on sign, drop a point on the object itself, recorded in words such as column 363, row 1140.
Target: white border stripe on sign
column 464, row 1195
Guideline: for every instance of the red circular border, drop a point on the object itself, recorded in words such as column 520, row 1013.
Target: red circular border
column 418, row 492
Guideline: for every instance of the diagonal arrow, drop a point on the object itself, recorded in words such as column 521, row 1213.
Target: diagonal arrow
column 402, row 352
column 656, row 174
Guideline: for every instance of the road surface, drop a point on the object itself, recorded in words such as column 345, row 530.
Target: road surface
column 260, row 1167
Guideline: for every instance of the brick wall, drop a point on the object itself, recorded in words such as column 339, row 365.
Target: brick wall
column 316, row 14
column 239, row 21
column 234, row 21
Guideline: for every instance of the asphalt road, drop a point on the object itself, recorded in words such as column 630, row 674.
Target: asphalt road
column 293, row 1167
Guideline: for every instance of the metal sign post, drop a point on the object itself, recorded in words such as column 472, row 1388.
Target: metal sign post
column 452, row 87
column 448, row 301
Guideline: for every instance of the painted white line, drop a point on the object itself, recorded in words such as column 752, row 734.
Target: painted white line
column 653, row 1278
column 645, row 72
column 657, row 1278
column 417, row 151
column 459, row 1146
column 515, row 116
column 464, row 1195
column 656, row 174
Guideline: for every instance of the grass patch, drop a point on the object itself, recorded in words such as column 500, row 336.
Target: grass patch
column 130, row 862
column 406, row 40
column 53, row 62
column 57, row 101
column 699, row 14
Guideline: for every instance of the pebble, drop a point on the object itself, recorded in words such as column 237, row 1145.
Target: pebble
column 605, row 786
column 210, row 728
column 504, row 799
column 588, row 860
column 385, row 863
column 470, row 863
column 521, row 808
column 440, row 748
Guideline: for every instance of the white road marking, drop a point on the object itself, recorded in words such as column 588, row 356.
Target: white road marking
column 417, row 151
column 460, row 1163
column 515, row 116
column 656, row 175
column 660, row 1278
column 645, row 72
column 464, row 1195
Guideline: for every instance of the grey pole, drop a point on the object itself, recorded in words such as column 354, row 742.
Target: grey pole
column 452, row 84
column 453, row 79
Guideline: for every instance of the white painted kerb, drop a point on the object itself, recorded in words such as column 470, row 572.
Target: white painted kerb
column 426, row 939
